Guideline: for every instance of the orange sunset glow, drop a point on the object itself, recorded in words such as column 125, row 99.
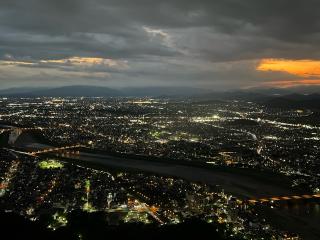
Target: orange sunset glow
column 308, row 70
column 303, row 68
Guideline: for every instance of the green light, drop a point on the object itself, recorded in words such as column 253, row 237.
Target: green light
column 87, row 185
column 50, row 164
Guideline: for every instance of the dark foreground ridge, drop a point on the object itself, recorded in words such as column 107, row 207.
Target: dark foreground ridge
column 94, row 226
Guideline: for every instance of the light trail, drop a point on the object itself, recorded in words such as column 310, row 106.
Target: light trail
column 284, row 198
column 56, row 149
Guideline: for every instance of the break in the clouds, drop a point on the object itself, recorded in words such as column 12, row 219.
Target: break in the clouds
column 221, row 44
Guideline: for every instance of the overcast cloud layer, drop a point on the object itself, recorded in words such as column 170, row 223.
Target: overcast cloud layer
column 203, row 43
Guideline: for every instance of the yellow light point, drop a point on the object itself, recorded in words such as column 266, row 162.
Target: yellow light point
column 296, row 197
column 306, row 196
column 302, row 68
column 154, row 209
column 286, row 198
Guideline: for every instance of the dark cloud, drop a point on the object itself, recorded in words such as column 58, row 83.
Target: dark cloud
column 150, row 34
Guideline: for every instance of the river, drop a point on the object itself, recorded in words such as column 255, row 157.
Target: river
column 302, row 217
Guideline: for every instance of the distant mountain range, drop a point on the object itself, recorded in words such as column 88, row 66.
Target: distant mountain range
column 273, row 98
column 67, row 91
column 97, row 91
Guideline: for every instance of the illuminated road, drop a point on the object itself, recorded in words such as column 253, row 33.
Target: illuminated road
column 146, row 208
column 284, row 198
column 57, row 149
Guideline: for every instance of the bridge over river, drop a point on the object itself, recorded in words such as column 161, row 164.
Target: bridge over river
column 258, row 186
column 248, row 184
column 285, row 198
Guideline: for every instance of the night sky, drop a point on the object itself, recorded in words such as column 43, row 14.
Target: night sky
column 217, row 44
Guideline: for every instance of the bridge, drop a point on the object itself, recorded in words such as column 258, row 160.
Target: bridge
column 284, row 198
column 57, row 149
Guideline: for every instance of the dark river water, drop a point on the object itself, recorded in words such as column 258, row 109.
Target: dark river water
column 302, row 217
